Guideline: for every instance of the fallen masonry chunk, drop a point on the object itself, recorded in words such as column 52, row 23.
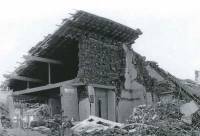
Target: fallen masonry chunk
column 188, row 110
column 94, row 125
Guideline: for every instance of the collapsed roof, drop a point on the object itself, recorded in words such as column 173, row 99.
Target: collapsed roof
column 188, row 87
column 70, row 32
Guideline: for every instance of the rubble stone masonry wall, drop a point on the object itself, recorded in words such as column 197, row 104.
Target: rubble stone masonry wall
column 99, row 62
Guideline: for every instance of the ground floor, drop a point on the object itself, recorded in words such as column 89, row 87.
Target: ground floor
column 77, row 101
column 74, row 101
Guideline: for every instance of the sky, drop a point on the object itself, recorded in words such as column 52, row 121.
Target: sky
column 171, row 28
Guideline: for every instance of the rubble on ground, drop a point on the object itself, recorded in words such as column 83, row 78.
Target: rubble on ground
column 5, row 122
column 51, row 126
column 40, row 112
column 19, row 132
column 160, row 119
column 42, row 129
column 150, row 114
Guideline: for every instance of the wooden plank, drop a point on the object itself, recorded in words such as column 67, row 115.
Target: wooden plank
column 40, row 59
column 46, row 87
column 22, row 78
column 164, row 93
column 49, row 73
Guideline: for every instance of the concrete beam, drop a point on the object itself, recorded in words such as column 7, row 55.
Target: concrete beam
column 102, row 86
column 46, row 87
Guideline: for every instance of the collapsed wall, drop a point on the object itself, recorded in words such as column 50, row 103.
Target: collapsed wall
column 145, row 83
column 137, row 81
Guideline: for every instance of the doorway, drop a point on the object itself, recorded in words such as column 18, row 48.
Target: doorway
column 101, row 103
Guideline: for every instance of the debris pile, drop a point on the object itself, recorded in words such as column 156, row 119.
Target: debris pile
column 151, row 114
column 19, row 132
column 40, row 120
column 6, row 122
column 160, row 119
column 40, row 113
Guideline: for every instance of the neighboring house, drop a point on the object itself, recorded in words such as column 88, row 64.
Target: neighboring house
column 87, row 67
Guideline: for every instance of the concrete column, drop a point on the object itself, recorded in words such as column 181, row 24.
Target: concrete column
column 84, row 109
column 111, row 106
column 91, row 94
column 69, row 102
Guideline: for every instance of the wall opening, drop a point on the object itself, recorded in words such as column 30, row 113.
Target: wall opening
column 65, row 50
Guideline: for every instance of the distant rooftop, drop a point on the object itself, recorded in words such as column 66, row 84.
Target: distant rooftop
column 197, row 76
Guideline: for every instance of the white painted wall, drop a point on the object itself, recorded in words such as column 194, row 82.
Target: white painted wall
column 84, row 109
column 134, row 93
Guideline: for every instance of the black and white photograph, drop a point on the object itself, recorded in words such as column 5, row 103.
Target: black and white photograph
column 99, row 68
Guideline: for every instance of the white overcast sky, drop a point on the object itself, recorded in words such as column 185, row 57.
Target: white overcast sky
column 171, row 28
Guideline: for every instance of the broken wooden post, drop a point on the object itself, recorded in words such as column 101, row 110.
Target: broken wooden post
column 49, row 73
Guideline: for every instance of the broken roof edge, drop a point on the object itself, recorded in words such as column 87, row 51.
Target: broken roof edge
column 193, row 94
column 85, row 22
column 91, row 21
column 82, row 23
column 137, row 30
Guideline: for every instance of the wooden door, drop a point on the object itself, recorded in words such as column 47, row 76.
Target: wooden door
column 101, row 103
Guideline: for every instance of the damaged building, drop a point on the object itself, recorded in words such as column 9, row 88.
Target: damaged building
column 87, row 67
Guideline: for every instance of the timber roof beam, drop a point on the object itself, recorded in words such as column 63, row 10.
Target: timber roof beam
column 40, row 59
column 22, row 78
